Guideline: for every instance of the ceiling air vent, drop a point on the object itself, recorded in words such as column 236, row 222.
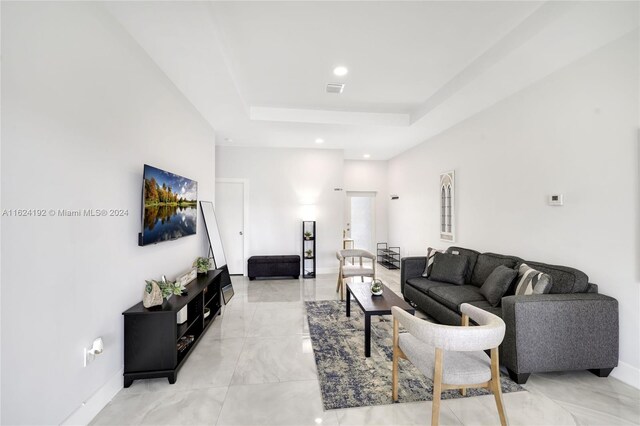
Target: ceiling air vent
column 335, row 88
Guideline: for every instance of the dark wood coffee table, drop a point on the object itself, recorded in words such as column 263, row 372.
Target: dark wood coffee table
column 373, row 305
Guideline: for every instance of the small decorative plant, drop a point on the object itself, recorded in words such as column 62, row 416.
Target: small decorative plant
column 156, row 291
column 171, row 287
column 376, row 287
column 308, row 253
column 307, row 235
column 203, row 264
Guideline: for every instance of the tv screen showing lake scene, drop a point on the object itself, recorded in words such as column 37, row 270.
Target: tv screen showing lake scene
column 170, row 206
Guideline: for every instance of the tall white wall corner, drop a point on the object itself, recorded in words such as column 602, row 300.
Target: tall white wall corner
column 96, row 402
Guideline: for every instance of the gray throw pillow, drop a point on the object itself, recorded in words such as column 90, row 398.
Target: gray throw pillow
column 532, row 281
column 449, row 268
column 431, row 252
column 497, row 284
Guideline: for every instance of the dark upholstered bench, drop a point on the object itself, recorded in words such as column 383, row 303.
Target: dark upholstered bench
column 273, row 266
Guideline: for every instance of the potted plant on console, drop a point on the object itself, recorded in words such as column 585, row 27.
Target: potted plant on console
column 203, row 264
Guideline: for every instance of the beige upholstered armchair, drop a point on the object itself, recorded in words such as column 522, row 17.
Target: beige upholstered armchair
column 347, row 271
column 453, row 357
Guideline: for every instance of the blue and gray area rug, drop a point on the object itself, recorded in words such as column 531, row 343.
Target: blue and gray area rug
column 348, row 379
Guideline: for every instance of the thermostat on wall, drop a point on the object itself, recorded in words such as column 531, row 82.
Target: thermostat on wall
column 556, row 200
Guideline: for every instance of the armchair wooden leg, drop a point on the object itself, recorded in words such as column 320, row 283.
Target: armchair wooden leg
column 394, row 369
column 437, row 388
column 496, row 388
column 465, row 320
column 465, row 323
column 340, row 279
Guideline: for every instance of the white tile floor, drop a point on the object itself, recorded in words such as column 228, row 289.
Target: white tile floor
column 255, row 366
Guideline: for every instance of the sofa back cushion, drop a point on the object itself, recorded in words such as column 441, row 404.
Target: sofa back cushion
column 487, row 262
column 448, row 268
column 564, row 279
column 471, row 254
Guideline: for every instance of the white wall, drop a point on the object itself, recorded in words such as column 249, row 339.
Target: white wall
column 281, row 182
column 370, row 176
column 83, row 108
column 574, row 132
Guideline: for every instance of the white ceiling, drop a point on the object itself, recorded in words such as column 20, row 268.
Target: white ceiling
column 398, row 54
column 257, row 70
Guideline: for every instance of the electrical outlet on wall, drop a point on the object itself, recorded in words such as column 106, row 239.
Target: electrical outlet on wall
column 90, row 353
column 86, row 357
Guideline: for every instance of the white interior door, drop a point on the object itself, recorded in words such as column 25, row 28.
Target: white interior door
column 361, row 219
column 230, row 214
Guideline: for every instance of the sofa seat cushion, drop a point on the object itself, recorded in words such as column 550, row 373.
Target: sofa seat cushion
column 454, row 296
column 486, row 306
column 486, row 264
column 424, row 284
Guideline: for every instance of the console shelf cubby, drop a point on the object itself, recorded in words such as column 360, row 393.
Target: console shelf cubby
column 155, row 345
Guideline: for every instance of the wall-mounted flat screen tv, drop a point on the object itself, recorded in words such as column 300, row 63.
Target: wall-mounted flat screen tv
column 169, row 206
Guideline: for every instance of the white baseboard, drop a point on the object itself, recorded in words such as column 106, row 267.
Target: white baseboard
column 627, row 373
column 96, row 402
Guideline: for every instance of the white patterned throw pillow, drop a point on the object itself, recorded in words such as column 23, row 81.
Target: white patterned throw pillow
column 431, row 253
column 531, row 281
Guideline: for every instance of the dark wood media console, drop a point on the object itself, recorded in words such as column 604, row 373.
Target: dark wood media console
column 152, row 336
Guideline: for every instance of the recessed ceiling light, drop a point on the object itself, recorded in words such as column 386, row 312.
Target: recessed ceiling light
column 319, row 140
column 340, row 71
column 366, row 156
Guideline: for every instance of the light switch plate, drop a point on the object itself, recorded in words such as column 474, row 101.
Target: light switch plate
column 556, row 200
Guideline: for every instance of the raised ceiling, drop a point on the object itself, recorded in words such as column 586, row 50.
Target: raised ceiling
column 257, row 71
column 398, row 54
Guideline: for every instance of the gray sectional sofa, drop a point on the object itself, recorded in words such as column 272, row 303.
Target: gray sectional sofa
column 571, row 328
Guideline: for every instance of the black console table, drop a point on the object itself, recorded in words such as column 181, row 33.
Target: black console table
column 155, row 345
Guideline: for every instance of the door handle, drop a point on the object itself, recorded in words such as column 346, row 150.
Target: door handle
column 241, row 233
